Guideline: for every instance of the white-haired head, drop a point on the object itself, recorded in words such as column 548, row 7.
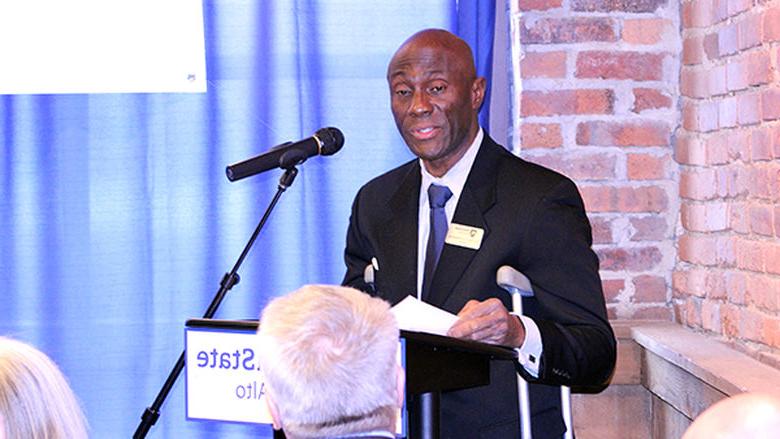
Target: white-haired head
column 329, row 356
column 746, row 415
column 36, row 401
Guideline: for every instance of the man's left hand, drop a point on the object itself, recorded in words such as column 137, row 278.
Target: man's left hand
column 488, row 322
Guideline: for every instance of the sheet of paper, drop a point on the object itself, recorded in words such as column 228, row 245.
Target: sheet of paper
column 415, row 315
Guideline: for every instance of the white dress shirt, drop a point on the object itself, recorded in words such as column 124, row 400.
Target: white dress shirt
column 455, row 178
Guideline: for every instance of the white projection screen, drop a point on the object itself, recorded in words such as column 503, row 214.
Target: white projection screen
column 101, row 46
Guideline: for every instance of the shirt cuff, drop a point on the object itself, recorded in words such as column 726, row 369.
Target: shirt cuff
column 530, row 353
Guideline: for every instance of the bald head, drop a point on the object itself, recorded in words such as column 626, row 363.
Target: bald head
column 747, row 415
column 436, row 41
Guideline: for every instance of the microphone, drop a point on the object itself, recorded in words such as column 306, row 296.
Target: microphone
column 326, row 141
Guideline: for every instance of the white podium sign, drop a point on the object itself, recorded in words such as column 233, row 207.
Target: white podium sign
column 224, row 380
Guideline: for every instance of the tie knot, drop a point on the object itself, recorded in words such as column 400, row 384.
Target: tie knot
column 438, row 196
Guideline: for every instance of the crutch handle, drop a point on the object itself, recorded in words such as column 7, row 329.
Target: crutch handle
column 514, row 281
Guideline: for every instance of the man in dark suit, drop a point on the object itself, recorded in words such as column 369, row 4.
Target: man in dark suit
column 500, row 210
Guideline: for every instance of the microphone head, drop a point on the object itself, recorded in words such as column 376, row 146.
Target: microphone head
column 331, row 140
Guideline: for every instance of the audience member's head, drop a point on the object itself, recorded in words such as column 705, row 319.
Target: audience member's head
column 36, row 401
column 329, row 356
column 747, row 415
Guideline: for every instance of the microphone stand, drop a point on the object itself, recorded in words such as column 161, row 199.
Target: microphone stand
column 152, row 413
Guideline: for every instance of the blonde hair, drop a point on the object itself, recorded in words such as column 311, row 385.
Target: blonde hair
column 36, row 401
column 329, row 356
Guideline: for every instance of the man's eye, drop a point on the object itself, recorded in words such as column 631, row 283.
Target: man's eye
column 403, row 92
column 436, row 89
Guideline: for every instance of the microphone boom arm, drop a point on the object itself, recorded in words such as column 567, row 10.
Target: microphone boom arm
column 152, row 413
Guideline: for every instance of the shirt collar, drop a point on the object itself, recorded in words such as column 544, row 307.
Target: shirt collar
column 455, row 178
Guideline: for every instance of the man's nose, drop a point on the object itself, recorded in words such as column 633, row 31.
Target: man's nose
column 421, row 104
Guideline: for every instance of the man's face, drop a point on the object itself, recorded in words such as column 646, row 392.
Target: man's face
column 434, row 101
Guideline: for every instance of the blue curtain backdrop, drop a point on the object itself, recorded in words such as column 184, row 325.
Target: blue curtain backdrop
column 117, row 221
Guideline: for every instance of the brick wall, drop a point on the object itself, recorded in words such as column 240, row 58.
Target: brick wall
column 598, row 101
column 727, row 277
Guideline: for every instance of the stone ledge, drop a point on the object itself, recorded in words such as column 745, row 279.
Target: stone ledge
column 666, row 375
column 677, row 388
column 709, row 360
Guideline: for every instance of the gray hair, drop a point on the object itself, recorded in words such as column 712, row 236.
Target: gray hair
column 36, row 401
column 329, row 356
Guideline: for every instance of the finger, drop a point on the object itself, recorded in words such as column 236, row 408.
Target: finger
column 474, row 308
column 461, row 329
column 495, row 328
column 492, row 334
column 490, row 306
column 468, row 307
column 464, row 329
column 467, row 328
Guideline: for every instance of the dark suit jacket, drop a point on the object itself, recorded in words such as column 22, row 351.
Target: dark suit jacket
column 534, row 220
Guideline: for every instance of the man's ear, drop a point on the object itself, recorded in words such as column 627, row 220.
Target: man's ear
column 274, row 410
column 478, row 88
column 400, row 384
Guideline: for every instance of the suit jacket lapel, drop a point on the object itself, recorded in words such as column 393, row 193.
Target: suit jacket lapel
column 400, row 233
column 478, row 196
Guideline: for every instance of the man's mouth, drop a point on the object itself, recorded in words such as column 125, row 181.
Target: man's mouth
column 424, row 133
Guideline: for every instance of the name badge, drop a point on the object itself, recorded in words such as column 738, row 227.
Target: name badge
column 464, row 236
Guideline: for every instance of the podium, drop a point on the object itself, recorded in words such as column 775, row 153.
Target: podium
column 433, row 364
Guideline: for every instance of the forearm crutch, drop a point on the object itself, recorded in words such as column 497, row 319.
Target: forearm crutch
column 518, row 285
